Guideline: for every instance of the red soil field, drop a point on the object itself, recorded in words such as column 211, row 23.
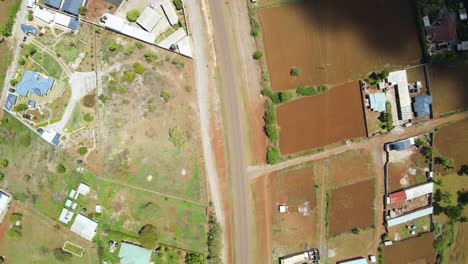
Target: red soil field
column 413, row 250
column 448, row 87
column 316, row 121
column 337, row 41
column 350, row 167
column 351, row 207
column 449, row 142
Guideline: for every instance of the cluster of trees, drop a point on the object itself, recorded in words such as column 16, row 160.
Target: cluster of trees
column 271, row 130
column 6, row 28
column 214, row 241
column 176, row 137
column 376, row 77
column 453, row 212
column 309, row 90
column 446, row 163
column 387, row 117
column 255, row 27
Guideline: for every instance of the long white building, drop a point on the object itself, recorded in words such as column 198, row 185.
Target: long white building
column 400, row 79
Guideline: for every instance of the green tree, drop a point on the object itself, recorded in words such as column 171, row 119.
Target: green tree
column 25, row 140
column 355, row 231
column 257, row 55
column 176, row 137
column 295, row 71
column 271, row 130
column 306, row 91
column 194, row 258
column 133, row 15
column 462, row 198
column 463, row 170
column 165, row 96
column 138, row 68
column 60, row 168
column 3, row 163
column 88, row 118
column 273, row 155
column 285, row 96
column 214, row 241
column 453, row 212
column 148, row 236
column 128, row 76
column 272, row 95
column 82, row 151
column 178, row 4
column 20, row 107
column 30, row 17
column 150, row 56
column 82, row 10
column 447, row 163
column 112, row 45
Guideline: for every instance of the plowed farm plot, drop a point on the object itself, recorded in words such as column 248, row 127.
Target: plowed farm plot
column 315, row 121
column 336, row 41
column 448, row 87
column 351, row 207
column 413, row 250
column 349, row 167
column 449, row 143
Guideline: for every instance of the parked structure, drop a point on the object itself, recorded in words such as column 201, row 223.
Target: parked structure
column 50, row 136
column 10, row 101
column 28, row 29
column 5, row 201
column 411, row 193
column 120, row 25
column 133, row 254
column 400, row 145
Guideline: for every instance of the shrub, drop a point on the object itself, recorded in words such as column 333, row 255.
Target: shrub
column 82, row 151
column 165, row 96
column 322, row 88
column 62, row 255
column 273, row 155
column 60, row 168
column 128, row 50
column 270, row 114
column 148, row 236
column 295, row 71
column 376, row 77
column 133, row 15
column 14, row 232
column 272, row 133
column 103, row 98
column 138, row 68
column 2, row 176
column 178, row 4
column 14, row 217
column 87, row 117
column 463, row 170
column 194, row 258
column 110, row 6
column 447, row 163
column 176, row 137
column 20, row 107
column 30, row 17
column 3, row 163
column 25, row 140
column 285, row 96
column 22, row 60
column 257, row 55
column 355, row 231
column 272, row 95
column 255, row 27
column 419, row 142
column 112, row 45
column 150, row 56
column 214, row 241
column 128, row 76
column 306, row 91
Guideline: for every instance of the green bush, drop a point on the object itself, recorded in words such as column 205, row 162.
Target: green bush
column 176, row 137
column 14, row 217
column 306, row 91
column 272, row 133
column 133, row 15
column 214, row 240
column 128, row 76
column 82, row 151
column 148, row 236
column 270, row 113
column 255, row 27
column 257, row 55
column 178, row 4
column 60, row 168
column 82, row 10
column 447, row 163
column 273, row 155
column 20, row 107
column 194, row 258
column 22, row 60
column 30, row 17
column 376, row 77
column 322, row 88
column 419, row 142
column 138, row 68
column 150, row 56
column 25, row 140
column 6, row 28
column 2, row 176
column 355, row 231
column 88, row 118
column 165, row 96
column 295, row 71
column 3, row 163
column 274, row 97
column 285, row 96
column 128, row 50
column 62, row 255
column 103, row 98
column 112, row 45
column 14, row 232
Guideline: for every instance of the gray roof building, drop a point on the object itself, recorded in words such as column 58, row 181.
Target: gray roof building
column 402, row 144
column 53, row 3
column 422, row 105
column 72, row 6
column 10, row 101
column 34, row 82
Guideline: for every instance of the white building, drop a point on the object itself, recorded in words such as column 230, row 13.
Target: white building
column 65, row 216
column 120, row 25
column 43, row 14
column 84, row 227
column 149, row 18
column 463, row 45
column 426, row 21
column 410, row 216
column 170, row 12
column 173, row 39
column 419, row 190
column 5, row 200
column 400, row 79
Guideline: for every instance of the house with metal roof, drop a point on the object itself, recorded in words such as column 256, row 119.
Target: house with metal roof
column 53, row 3
column 422, row 105
column 72, row 6
column 28, row 29
column 84, row 227
column 401, row 145
column 170, row 12
column 410, row 216
column 133, row 254
column 400, row 79
column 419, row 190
column 377, row 102
column 121, row 25
column 10, row 101
column 50, row 136
column 34, row 82
column 359, row 260
column 149, row 18
column 463, row 15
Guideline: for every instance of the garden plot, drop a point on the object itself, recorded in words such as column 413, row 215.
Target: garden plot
column 449, row 144
column 448, row 87
column 413, row 250
column 147, row 121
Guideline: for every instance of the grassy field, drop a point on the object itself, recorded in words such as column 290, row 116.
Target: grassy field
column 344, row 246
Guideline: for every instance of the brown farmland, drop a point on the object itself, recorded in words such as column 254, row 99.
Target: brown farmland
column 351, row 207
column 316, row 121
column 448, row 87
column 350, row 167
column 413, row 250
column 450, row 142
column 337, row 41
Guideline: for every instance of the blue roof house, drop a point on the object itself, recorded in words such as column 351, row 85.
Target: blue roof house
column 10, row 101
column 74, row 23
column 421, row 105
column 53, row 3
column 72, row 6
column 34, row 82
column 132, row 254
column 28, row 29
column 377, row 102
column 402, row 144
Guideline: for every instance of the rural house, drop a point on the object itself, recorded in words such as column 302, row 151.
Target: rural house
column 84, row 227
column 411, row 193
column 5, row 200
column 148, row 19
column 400, row 79
column 400, row 145
column 422, row 105
column 421, row 212
column 359, row 260
column 377, row 102
column 34, row 82
column 10, row 101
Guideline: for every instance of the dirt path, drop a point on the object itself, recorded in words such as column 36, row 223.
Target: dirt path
column 376, row 142
column 45, row 49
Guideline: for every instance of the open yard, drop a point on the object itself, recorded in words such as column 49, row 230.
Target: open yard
column 285, row 233
column 351, row 207
column 448, row 87
column 413, row 250
column 406, row 168
column 450, row 143
column 315, row 121
column 334, row 42
column 344, row 247
column 147, row 120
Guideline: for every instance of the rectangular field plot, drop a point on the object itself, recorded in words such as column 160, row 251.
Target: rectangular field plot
column 406, row 168
column 351, row 207
column 333, row 42
column 344, row 246
column 448, row 87
column 450, row 143
column 315, row 121
column 349, row 167
column 413, row 250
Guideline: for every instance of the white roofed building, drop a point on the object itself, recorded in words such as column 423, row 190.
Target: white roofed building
column 149, row 18
column 173, row 39
column 419, row 190
column 84, row 227
column 65, row 216
column 170, row 12
column 184, row 46
column 5, row 200
column 400, row 79
column 43, row 14
column 62, row 19
column 410, row 216
column 120, row 25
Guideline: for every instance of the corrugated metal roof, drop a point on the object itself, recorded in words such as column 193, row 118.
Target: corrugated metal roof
column 10, row 101
column 170, row 12
column 28, row 29
column 410, row 216
column 419, row 190
column 72, row 6
column 148, row 19
column 400, row 78
column 132, row 254
column 34, row 82
column 53, row 3
column 377, row 102
column 360, row 260
column 84, row 227
column 422, row 105
column 403, row 144
column 398, row 196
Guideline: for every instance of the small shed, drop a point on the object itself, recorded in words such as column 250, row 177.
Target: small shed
column 65, row 216
column 426, row 21
column 358, row 260
column 68, row 203
column 28, row 29
column 396, row 197
column 32, row 104
column 148, row 19
column 282, row 208
column 5, row 200
column 83, row 189
column 72, row 194
column 98, row 208
column 10, row 101
column 402, row 144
